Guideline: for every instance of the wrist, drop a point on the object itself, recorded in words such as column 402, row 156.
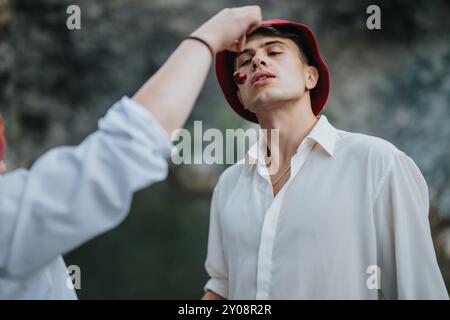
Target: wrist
column 208, row 39
column 203, row 42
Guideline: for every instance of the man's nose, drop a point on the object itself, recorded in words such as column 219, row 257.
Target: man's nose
column 258, row 62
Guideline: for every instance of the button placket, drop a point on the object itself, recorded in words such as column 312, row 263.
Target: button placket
column 268, row 232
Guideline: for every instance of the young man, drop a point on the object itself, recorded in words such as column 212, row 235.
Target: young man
column 72, row 194
column 334, row 214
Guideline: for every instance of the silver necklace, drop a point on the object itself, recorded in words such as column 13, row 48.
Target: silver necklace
column 282, row 175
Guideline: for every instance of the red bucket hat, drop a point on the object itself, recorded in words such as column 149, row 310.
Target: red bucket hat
column 319, row 95
column 2, row 140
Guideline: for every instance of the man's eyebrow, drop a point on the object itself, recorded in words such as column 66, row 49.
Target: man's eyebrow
column 265, row 44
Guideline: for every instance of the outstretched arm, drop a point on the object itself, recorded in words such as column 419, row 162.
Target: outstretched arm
column 72, row 194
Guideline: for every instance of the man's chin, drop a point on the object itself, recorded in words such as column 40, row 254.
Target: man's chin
column 264, row 100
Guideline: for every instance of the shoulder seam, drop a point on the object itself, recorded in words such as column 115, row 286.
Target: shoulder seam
column 385, row 176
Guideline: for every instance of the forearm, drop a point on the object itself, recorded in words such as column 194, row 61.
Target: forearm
column 171, row 92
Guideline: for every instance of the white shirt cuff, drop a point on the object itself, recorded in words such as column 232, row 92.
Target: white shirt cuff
column 217, row 285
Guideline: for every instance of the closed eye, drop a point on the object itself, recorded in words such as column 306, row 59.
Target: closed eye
column 274, row 53
column 245, row 62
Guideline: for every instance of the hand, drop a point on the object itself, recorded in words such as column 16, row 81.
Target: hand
column 227, row 30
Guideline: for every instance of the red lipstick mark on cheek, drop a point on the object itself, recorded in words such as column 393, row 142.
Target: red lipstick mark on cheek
column 239, row 78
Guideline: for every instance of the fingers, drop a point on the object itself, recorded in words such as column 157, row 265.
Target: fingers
column 253, row 27
column 254, row 16
column 241, row 42
column 241, row 21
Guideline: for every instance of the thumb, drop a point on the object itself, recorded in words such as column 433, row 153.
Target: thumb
column 241, row 42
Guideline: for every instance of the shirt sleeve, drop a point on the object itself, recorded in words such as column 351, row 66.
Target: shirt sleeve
column 215, row 264
column 74, row 193
column 406, row 256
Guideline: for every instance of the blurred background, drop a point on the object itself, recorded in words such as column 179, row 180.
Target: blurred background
column 55, row 84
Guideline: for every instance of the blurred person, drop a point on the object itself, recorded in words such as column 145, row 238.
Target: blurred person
column 72, row 194
column 323, row 213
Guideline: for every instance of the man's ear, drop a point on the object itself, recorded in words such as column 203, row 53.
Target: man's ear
column 240, row 99
column 312, row 76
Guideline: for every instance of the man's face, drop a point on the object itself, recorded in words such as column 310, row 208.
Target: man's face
column 280, row 59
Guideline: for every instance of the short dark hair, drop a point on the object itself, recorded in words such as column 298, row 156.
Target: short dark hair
column 282, row 32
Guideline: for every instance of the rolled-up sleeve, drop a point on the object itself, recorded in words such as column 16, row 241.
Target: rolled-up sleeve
column 215, row 264
column 74, row 193
column 406, row 256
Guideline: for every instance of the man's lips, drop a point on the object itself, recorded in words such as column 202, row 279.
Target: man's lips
column 261, row 77
column 262, row 82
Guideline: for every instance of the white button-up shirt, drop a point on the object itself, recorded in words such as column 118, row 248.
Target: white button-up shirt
column 350, row 223
column 72, row 194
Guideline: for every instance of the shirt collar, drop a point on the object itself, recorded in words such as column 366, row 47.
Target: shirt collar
column 323, row 133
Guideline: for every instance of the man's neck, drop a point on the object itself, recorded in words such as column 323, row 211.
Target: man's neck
column 294, row 122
